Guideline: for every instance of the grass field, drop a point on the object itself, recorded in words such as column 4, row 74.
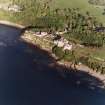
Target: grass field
column 83, row 5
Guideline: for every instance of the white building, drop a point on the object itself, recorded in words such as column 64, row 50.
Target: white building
column 40, row 34
column 14, row 8
column 64, row 43
column 59, row 43
column 10, row 7
column 68, row 47
column 61, row 32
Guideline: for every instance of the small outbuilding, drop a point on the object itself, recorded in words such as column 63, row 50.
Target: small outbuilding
column 14, row 8
column 68, row 47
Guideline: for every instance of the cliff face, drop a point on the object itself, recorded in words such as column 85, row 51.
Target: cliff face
column 97, row 2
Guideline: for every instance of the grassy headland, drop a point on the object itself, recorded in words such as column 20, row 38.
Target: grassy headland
column 30, row 13
column 84, row 25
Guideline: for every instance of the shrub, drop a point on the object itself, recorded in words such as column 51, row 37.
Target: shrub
column 58, row 51
column 68, row 56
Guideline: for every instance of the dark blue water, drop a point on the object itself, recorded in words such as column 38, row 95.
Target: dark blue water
column 27, row 77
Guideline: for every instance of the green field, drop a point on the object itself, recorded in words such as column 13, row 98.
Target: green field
column 83, row 5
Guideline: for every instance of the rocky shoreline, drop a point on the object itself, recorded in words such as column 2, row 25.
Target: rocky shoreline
column 29, row 39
